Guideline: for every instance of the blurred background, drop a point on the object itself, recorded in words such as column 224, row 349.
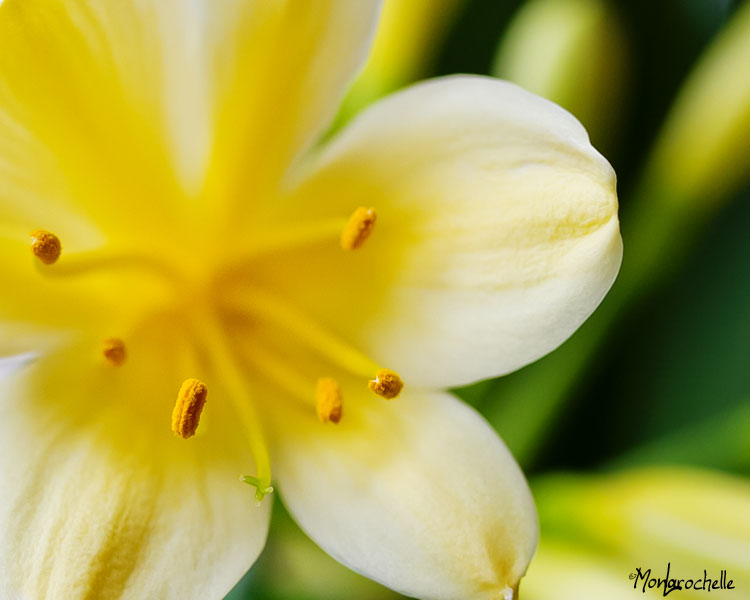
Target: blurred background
column 635, row 434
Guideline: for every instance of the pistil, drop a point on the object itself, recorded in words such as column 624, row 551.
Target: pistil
column 233, row 381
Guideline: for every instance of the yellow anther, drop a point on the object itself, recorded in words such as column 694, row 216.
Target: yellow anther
column 328, row 396
column 358, row 229
column 114, row 351
column 386, row 384
column 188, row 408
column 46, row 246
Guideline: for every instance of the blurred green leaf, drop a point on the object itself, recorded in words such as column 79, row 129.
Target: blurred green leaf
column 722, row 442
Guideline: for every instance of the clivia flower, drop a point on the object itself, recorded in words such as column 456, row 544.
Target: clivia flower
column 296, row 311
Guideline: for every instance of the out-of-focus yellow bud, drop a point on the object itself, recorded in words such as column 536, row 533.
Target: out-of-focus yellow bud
column 408, row 35
column 702, row 152
column 562, row 571
column 611, row 525
column 571, row 52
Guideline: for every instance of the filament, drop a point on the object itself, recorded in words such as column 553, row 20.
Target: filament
column 307, row 331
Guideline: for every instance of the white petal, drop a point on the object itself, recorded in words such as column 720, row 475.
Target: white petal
column 497, row 231
column 419, row 494
column 92, row 506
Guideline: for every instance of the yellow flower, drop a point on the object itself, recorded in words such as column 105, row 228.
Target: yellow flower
column 214, row 271
column 598, row 530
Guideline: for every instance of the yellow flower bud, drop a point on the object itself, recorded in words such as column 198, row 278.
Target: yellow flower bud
column 701, row 154
column 600, row 529
column 571, row 52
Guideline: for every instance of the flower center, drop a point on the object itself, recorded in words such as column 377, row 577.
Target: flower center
column 203, row 310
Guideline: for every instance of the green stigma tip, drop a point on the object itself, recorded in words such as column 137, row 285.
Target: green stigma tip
column 261, row 489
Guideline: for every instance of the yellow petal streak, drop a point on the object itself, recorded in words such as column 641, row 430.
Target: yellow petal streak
column 358, row 229
column 187, row 410
column 114, row 351
column 328, row 397
column 46, row 246
column 387, row 384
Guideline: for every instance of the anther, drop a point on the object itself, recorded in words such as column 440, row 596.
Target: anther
column 46, row 246
column 387, row 384
column 358, row 229
column 114, row 351
column 187, row 410
column 328, row 397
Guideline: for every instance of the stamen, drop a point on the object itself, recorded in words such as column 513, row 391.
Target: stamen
column 114, row 351
column 46, row 246
column 279, row 372
column 359, row 228
column 261, row 489
column 387, row 384
column 188, row 408
column 295, row 235
column 48, row 249
column 328, row 397
column 283, row 314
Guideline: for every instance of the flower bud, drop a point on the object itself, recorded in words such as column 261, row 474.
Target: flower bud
column 571, row 52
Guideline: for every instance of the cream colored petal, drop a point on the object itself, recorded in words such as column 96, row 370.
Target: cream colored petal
column 98, row 499
column 497, row 231
column 418, row 493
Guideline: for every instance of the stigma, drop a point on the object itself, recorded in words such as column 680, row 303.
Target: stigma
column 187, row 410
column 46, row 246
column 328, row 397
column 358, row 228
column 114, row 351
column 387, row 384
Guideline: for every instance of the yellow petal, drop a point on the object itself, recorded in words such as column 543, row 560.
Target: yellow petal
column 83, row 122
column 419, row 494
column 34, row 306
column 117, row 111
column 94, row 505
column 280, row 70
column 497, row 231
column 408, row 38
